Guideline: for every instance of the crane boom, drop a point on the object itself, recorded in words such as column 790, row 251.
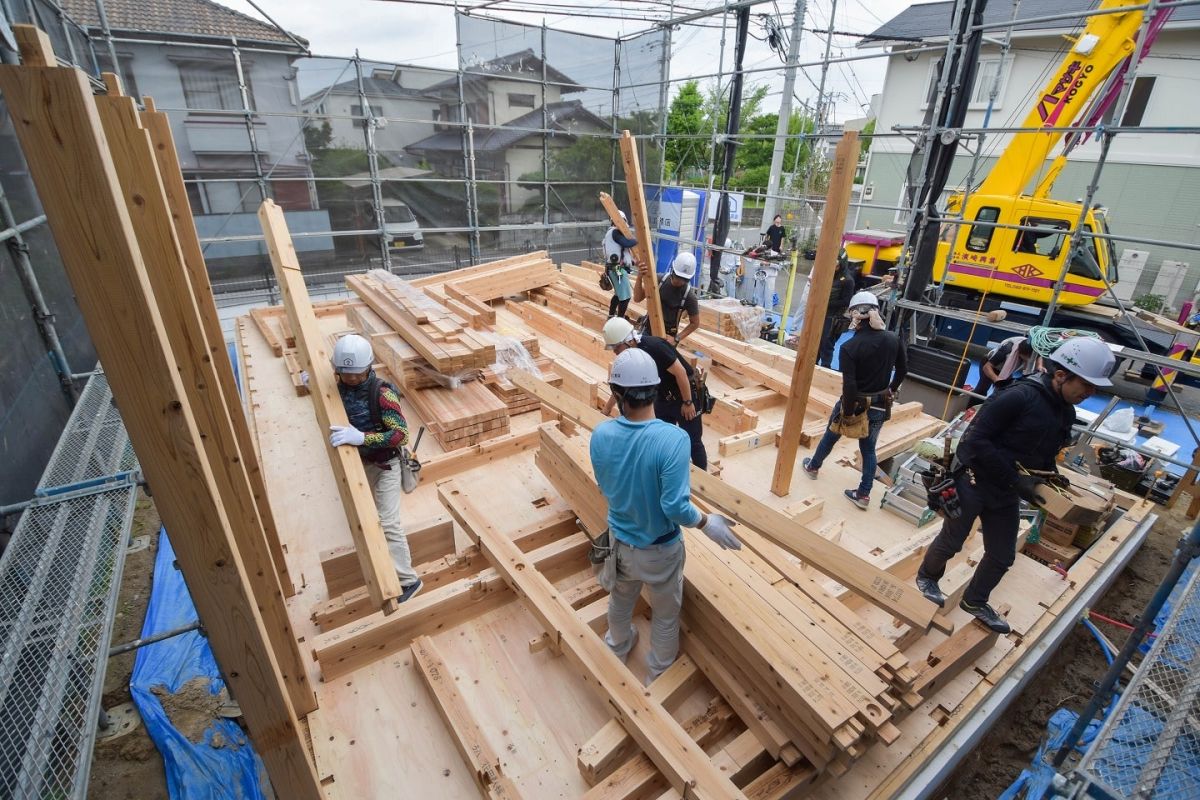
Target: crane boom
column 1107, row 40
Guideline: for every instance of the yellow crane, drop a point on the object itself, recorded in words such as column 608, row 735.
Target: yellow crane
column 1025, row 264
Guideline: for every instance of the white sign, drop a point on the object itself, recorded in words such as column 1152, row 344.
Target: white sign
column 735, row 206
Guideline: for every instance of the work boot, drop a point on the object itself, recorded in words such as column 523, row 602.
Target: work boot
column 806, row 465
column 409, row 592
column 987, row 615
column 931, row 591
column 863, row 501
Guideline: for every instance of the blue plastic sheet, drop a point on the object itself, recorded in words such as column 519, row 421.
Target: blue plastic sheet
column 1034, row 783
column 224, row 764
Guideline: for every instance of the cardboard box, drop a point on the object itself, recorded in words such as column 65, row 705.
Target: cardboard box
column 1072, row 505
column 1050, row 553
column 1059, row 532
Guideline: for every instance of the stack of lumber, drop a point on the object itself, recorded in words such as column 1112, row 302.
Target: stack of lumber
column 463, row 416
column 728, row 317
column 518, row 400
column 810, row 681
column 443, row 339
column 497, row 279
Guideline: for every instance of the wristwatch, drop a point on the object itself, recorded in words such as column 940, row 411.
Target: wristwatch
column 687, row 402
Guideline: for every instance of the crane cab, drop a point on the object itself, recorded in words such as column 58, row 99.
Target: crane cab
column 1023, row 264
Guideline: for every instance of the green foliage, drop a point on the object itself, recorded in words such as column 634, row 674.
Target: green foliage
column 317, row 136
column 588, row 158
column 1154, row 303
column 864, row 136
column 685, row 122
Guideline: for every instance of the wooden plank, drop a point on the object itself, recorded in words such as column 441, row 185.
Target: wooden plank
column 68, row 156
column 611, row 746
column 371, row 638
column 614, row 215
column 958, row 652
column 468, row 737
column 445, row 466
column 820, row 282
column 357, row 500
column 427, row 540
column 877, row 586
column 136, row 167
column 685, row 765
column 643, row 253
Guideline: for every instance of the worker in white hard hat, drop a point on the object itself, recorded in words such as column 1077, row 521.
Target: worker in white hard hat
column 677, row 401
column 677, row 297
column 641, row 466
column 378, row 429
column 873, row 365
column 1009, row 449
column 618, row 266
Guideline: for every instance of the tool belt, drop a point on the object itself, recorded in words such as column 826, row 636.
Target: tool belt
column 603, row 557
column 703, row 401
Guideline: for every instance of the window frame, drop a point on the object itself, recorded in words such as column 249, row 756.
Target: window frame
column 1005, row 63
column 216, row 71
column 989, row 230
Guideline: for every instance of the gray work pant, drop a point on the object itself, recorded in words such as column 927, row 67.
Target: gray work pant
column 660, row 569
column 385, row 485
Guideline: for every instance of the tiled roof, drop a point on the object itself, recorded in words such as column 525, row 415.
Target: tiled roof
column 202, row 18
column 492, row 140
column 372, row 87
column 522, row 63
column 932, row 20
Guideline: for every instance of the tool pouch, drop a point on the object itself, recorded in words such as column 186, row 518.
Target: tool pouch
column 603, row 556
column 410, row 471
column 856, row 426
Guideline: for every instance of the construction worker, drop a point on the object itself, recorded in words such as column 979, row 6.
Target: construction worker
column 378, row 429
column 641, row 466
column 1002, row 365
column 677, row 297
column 1009, row 449
column 675, row 401
column 618, row 266
column 873, row 366
column 835, row 310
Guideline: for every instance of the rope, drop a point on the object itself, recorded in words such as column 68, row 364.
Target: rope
column 1046, row 340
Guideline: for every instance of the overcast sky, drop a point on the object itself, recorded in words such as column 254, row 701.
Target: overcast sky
column 425, row 35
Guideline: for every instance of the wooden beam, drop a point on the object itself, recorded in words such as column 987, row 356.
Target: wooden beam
column 427, row 540
column 477, row 455
column 614, row 215
column 895, row 596
column 685, row 765
column 55, row 118
column 820, row 281
column 962, row 649
column 648, row 274
column 136, row 167
column 347, row 648
column 464, row 729
column 357, row 500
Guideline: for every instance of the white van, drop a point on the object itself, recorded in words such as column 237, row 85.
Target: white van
column 401, row 227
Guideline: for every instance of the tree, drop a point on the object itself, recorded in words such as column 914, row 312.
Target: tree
column 753, row 164
column 686, row 128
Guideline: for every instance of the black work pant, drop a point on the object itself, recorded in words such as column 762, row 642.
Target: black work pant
column 670, row 410
column 617, row 307
column 998, row 520
column 833, row 327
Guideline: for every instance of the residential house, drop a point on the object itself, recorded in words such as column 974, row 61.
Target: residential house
column 509, row 100
column 182, row 53
column 1150, row 182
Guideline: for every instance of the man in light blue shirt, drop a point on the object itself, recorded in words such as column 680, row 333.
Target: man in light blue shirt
column 642, row 466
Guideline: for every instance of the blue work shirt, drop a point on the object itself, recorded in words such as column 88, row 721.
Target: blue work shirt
column 643, row 470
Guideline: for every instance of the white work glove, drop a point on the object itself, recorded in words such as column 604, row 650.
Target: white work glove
column 342, row 434
column 304, row 377
column 719, row 529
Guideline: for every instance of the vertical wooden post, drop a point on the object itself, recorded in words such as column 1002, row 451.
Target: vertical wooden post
column 136, row 168
column 641, row 228
column 845, row 159
column 379, row 573
column 158, row 125
column 69, row 159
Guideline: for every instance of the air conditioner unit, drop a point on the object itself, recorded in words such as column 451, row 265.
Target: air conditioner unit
column 868, row 192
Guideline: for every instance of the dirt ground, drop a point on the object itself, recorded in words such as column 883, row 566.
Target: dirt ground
column 1068, row 679
column 130, row 767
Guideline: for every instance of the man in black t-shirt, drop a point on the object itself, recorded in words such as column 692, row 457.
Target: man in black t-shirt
column 677, row 297
column 675, row 403
column 775, row 234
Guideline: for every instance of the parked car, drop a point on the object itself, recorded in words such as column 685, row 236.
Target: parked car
column 402, row 229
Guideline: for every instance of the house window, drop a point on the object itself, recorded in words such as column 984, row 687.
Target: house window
column 212, row 86
column 520, row 100
column 1139, row 96
column 981, row 235
column 985, row 75
column 218, row 196
column 125, row 61
column 356, row 111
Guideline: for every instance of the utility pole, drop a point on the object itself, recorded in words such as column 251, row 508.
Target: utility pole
column 785, row 114
column 721, row 227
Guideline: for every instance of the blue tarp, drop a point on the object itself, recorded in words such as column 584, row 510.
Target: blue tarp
column 1034, row 783
column 224, row 764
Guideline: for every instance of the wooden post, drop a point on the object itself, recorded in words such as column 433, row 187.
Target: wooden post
column 68, row 154
column 614, row 215
column 134, row 162
column 158, row 125
column 641, row 225
column 845, row 158
column 380, row 574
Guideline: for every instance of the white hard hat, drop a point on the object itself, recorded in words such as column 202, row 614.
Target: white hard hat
column 622, row 213
column 864, row 299
column 352, row 353
column 634, row 369
column 617, row 330
column 1089, row 358
column 684, row 266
